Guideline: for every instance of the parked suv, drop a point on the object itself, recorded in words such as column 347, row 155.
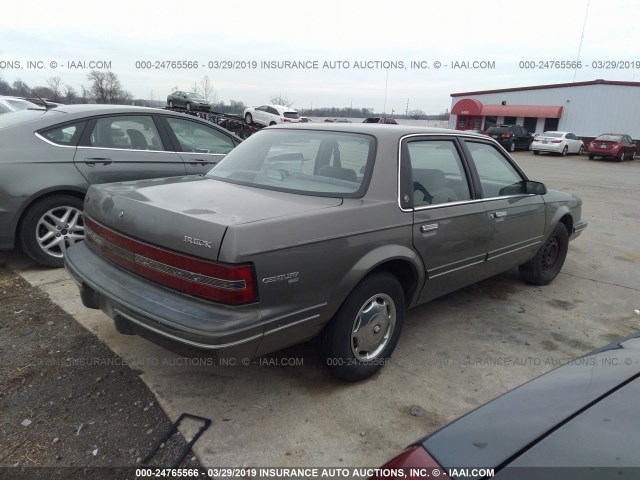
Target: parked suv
column 511, row 137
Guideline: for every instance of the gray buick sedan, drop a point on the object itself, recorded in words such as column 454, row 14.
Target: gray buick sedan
column 306, row 230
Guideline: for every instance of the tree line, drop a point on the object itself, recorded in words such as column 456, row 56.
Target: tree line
column 105, row 87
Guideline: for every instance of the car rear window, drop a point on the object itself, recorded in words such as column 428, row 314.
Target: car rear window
column 293, row 115
column 552, row 134
column 609, row 138
column 24, row 116
column 307, row 162
column 498, row 130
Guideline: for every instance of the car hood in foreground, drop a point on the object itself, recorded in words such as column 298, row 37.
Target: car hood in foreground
column 583, row 414
column 191, row 214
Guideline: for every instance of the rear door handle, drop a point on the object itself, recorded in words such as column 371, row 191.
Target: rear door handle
column 498, row 214
column 92, row 161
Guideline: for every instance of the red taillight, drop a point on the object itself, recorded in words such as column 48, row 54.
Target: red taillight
column 231, row 284
column 506, row 135
column 285, row 120
column 413, row 464
column 556, row 141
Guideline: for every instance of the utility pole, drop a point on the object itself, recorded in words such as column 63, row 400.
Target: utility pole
column 406, row 112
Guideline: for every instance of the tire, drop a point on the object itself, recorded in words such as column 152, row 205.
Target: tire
column 248, row 118
column 591, row 156
column 50, row 226
column 621, row 157
column 188, row 107
column 512, row 147
column 272, row 123
column 565, row 150
column 170, row 103
column 363, row 333
column 548, row 260
column 581, row 150
column 536, row 152
column 633, row 156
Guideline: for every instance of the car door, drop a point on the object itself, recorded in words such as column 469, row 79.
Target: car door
column 200, row 145
column 116, row 148
column 630, row 148
column 573, row 143
column 517, row 219
column 260, row 115
column 450, row 226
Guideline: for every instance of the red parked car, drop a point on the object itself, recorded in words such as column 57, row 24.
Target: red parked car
column 612, row 145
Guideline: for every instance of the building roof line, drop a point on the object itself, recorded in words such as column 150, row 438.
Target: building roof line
column 554, row 85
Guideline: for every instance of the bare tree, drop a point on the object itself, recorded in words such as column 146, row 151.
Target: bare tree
column 105, row 87
column 416, row 114
column 70, row 94
column 280, row 100
column 207, row 90
column 55, row 84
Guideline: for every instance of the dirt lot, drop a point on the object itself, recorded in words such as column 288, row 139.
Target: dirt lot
column 66, row 399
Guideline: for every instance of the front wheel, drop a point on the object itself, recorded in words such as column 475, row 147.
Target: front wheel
column 581, row 150
column 621, row 158
column 188, row 107
column 170, row 103
column 50, row 226
column 536, row 152
column 548, row 261
column 360, row 338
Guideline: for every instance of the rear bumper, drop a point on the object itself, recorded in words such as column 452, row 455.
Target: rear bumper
column 178, row 322
column 541, row 147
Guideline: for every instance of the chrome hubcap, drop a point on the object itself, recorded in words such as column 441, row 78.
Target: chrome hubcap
column 373, row 327
column 58, row 228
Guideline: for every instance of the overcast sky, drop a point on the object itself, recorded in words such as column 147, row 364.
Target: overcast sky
column 399, row 31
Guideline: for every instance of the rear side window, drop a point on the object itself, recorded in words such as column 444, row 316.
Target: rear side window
column 130, row 132
column 438, row 175
column 66, row 135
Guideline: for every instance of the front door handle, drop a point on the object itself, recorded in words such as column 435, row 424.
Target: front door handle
column 429, row 228
column 199, row 161
column 92, row 161
column 498, row 214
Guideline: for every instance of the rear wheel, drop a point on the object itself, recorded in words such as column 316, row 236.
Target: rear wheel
column 536, row 152
column 170, row 103
column 248, row 118
column 512, row 147
column 633, row 156
column 548, row 261
column 272, row 123
column 581, row 150
column 188, row 107
column 364, row 332
column 50, row 226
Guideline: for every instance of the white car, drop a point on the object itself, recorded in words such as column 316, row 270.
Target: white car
column 270, row 115
column 12, row 104
column 557, row 142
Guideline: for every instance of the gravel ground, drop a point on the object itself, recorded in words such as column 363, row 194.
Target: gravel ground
column 71, row 408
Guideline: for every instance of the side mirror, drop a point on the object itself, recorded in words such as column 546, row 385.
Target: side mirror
column 535, row 188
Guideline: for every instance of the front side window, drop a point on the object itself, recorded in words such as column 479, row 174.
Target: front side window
column 438, row 175
column 306, row 162
column 497, row 176
column 198, row 138
column 131, row 132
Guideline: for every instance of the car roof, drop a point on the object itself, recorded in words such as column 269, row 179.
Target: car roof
column 377, row 129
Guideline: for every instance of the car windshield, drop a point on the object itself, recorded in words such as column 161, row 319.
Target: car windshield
column 300, row 161
column 196, row 96
column 609, row 138
column 553, row 134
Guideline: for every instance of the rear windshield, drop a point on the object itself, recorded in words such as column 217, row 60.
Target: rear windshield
column 300, row 161
column 609, row 138
column 552, row 134
column 293, row 115
column 498, row 130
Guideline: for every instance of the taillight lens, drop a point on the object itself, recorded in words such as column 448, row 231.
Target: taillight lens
column 414, row 463
column 556, row 141
column 220, row 282
column 286, row 120
column 506, row 135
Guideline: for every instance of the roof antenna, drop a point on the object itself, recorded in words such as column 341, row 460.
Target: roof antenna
column 44, row 104
column 584, row 24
